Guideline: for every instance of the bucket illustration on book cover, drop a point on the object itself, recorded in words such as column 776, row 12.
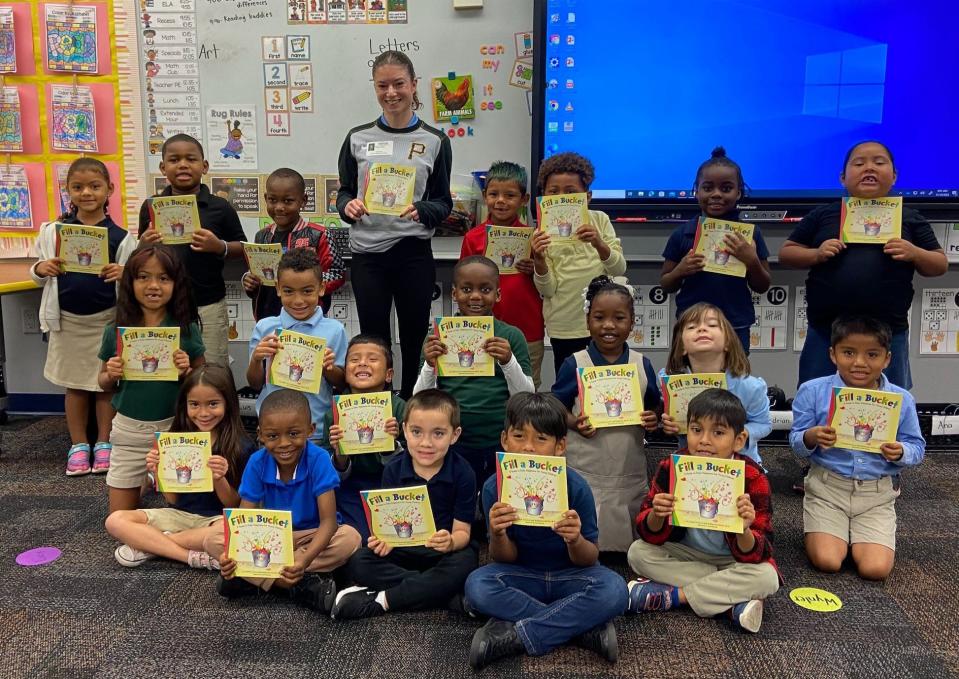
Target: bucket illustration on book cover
column 614, row 407
column 389, row 198
column 404, row 529
column 721, row 257
column 507, row 259
column 871, row 228
column 466, row 358
column 269, row 274
column 708, row 507
column 365, row 435
column 84, row 258
column 862, row 432
column 565, row 229
column 296, row 372
column 150, row 364
column 177, row 228
column 184, row 474
column 261, row 558
column 534, row 505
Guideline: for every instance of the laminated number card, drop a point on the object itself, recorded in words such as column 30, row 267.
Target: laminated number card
column 259, row 540
column 400, row 517
column 535, row 485
column 711, row 243
column 561, row 215
column 864, row 419
column 679, row 390
column 389, row 188
column 147, row 353
column 262, row 259
column 706, row 490
column 298, row 364
column 871, row 220
column 83, row 249
column 183, row 462
column 611, row 396
column 464, row 337
column 506, row 245
column 176, row 218
column 362, row 417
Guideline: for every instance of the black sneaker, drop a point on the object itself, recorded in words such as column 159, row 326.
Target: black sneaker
column 601, row 640
column 494, row 640
column 356, row 602
column 233, row 588
column 314, row 592
column 457, row 604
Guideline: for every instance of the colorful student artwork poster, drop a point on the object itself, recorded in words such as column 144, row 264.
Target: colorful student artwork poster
column 362, row 417
column 71, row 38
column 389, row 188
column 263, row 260
column 534, row 485
column 11, row 130
column 8, row 43
column 453, row 97
column 298, row 363
column 260, row 541
column 679, row 390
column 74, row 125
column 611, row 396
column 176, row 218
column 82, row 249
column 184, row 462
column 710, row 242
column 871, row 220
column 231, row 136
column 465, row 339
column 939, row 327
column 243, row 193
column 147, row 353
column 400, row 517
column 560, row 216
column 63, row 194
column 864, row 419
column 506, row 245
column 15, row 211
column 706, row 490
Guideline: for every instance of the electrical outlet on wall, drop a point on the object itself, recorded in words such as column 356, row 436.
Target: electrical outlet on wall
column 31, row 320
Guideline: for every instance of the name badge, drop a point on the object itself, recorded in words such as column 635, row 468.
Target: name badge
column 379, row 148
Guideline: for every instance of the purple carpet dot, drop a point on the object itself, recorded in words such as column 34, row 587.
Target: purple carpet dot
column 38, row 556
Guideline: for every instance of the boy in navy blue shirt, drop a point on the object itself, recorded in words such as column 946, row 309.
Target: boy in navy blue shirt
column 292, row 474
column 545, row 587
column 411, row 578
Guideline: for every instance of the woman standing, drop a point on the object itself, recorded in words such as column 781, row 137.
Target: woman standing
column 392, row 256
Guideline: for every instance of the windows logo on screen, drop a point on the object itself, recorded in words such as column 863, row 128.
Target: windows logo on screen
column 847, row 84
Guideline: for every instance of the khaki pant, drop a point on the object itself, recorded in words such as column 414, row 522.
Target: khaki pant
column 712, row 584
column 132, row 440
column 536, row 350
column 850, row 509
column 344, row 542
column 216, row 325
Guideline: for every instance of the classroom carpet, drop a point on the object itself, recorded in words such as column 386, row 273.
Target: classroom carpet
column 84, row 616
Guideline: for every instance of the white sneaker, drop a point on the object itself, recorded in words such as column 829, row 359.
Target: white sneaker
column 130, row 557
column 749, row 615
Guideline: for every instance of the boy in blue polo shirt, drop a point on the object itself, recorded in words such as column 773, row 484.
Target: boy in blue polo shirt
column 545, row 587
column 299, row 283
column 412, row 578
column 292, row 474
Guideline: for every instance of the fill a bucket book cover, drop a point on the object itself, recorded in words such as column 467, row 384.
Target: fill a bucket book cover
column 262, row 260
column 464, row 337
column 871, row 220
column 259, row 540
column 183, row 462
column 535, row 485
column 389, row 188
column 506, row 245
column 711, row 243
column 611, row 396
column 864, row 419
column 362, row 417
column 400, row 517
column 176, row 218
column 83, row 249
column 560, row 216
column 679, row 390
column 298, row 363
column 706, row 489
column 147, row 353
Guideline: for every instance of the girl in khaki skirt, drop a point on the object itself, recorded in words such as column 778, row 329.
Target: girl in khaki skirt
column 74, row 308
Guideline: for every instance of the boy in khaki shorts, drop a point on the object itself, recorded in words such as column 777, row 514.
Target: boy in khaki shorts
column 851, row 495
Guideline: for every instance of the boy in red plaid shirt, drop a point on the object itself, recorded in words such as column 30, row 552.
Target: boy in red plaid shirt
column 712, row 571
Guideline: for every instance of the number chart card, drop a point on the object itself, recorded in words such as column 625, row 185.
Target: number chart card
column 400, row 517
column 800, row 319
column 611, row 396
column 534, row 485
column 939, row 329
column 147, row 353
column 771, row 325
column 506, row 245
column 679, row 390
column 652, row 327
column 184, row 458
column 864, row 419
column 259, row 540
column 560, row 216
column 706, row 490
column 362, row 417
column 83, row 249
column 298, row 363
column 871, row 220
column 465, row 339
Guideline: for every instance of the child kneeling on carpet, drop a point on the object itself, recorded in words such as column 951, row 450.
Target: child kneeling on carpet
column 712, row 571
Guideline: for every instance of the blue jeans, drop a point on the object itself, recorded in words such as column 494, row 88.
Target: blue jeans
column 548, row 607
column 814, row 360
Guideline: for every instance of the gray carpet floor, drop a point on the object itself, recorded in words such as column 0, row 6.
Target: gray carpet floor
column 85, row 616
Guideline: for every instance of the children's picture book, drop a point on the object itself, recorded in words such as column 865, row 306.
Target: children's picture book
column 611, row 395
column 864, row 419
column 259, row 540
column 83, row 249
column 71, row 32
column 506, row 245
column 453, row 97
column 183, row 462
column 263, row 259
column 560, row 216
column 389, row 188
column 147, row 353
column 11, row 130
column 362, row 417
column 298, row 364
column 706, row 490
column 74, row 126
column 710, row 242
column 465, row 339
column 400, row 517
column 535, row 485
column 15, row 209
column 871, row 220
column 679, row 390
column 176, row 218
column 8, row 43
